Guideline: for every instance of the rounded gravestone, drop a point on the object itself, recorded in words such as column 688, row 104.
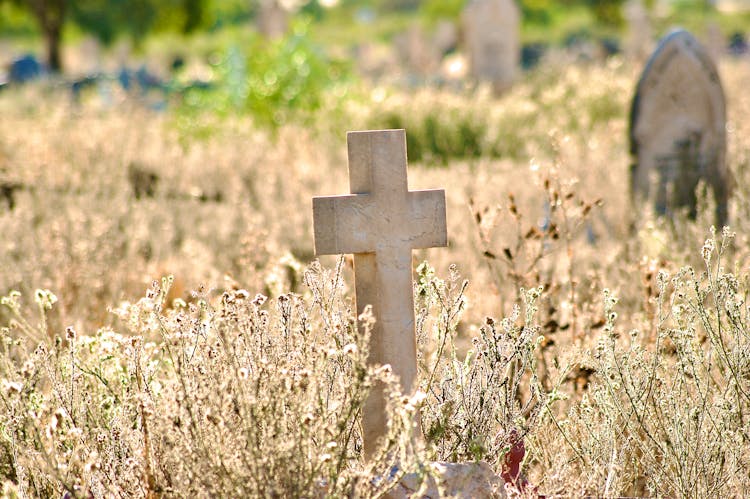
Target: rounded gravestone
column 678, row 128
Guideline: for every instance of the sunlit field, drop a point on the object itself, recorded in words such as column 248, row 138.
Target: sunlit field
column 167, row 329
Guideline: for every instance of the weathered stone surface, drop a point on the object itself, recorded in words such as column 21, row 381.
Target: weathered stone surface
column 458, row 480
column 677, row 128
column 491, row 34
column 380, row 223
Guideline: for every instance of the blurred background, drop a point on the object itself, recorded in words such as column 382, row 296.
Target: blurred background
column 273, row 58
column 142, row 138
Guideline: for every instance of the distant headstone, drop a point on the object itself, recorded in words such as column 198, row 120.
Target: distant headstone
column 415, row 52
column 25, row 69
column 445, row 37
column 381, row 222
column 272, row 19
column 491, row 35
column 715, row 41
column 90, row 58
column 677, row 128
column 639, row 31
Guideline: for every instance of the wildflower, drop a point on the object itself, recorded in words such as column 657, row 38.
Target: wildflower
column 418, row 398
column 12, row 387
column 707, row 250
column 70, row 333
column 45, row 298
column 384, row 369
column 93, row 462
column 243, row 373
column 258, row 300
column 350, row 349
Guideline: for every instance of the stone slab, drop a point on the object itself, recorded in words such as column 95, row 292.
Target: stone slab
column 678, row 128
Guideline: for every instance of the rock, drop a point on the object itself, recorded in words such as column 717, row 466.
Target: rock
column 460, row 480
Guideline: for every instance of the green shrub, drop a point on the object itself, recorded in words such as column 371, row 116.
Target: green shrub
column 274, row 81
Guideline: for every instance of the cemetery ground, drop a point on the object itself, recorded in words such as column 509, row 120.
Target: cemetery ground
column 616, row 345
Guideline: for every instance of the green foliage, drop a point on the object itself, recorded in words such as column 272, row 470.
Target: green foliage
column 434, row 137
column 109, row 19
column 537, row 11
column 15, row 20
column 607, row 12
column 274, row 81
column 434, row 10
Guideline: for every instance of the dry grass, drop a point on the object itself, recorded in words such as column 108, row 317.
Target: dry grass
column 198, row 388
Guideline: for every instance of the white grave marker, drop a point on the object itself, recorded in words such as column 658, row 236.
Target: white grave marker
column 381, row 222
column 492, row 36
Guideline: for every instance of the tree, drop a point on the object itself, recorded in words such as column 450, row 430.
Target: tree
column 608, row 12
column 50, row 16
column 107, row 19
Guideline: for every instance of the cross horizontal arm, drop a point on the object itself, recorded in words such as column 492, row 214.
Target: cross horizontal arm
column 427, row 219
column 355, row 223
column 341, row 223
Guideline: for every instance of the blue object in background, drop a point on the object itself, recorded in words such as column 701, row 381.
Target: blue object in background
column 25, row 69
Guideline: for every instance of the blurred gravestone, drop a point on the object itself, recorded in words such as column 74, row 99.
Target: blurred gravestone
column 445, row 37
column 639, row 32
column 714, row 40
column 415, row 52
column 25, row 69
column 677, row 128
column 89, row 58
column 272, row 19
column 491, row 35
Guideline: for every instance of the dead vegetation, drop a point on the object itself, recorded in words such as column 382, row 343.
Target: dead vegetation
column 621, row 357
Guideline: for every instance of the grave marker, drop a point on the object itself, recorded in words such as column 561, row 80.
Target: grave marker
column 381, row 222
column 491, row 31
column 639, row 32
column 272, row 19
column 677, row 128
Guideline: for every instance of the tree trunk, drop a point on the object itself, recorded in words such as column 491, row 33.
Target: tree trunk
column 50, row 14
column 53, row 37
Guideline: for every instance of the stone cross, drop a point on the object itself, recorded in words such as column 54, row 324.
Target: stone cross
column 381, row 222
